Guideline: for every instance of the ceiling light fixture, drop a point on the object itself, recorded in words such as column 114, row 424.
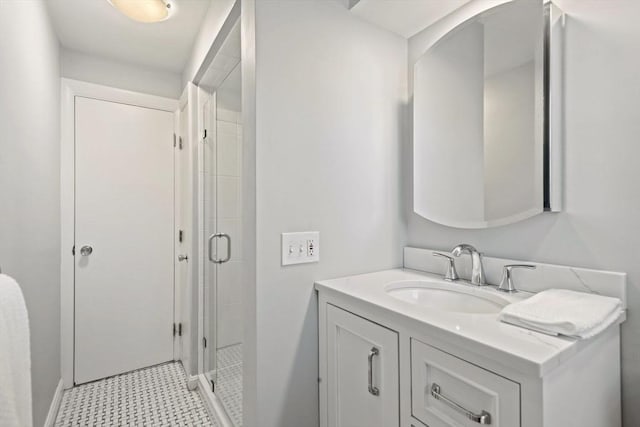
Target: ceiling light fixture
column 144, row 10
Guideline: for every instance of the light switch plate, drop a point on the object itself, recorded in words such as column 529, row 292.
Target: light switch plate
column 300, row 248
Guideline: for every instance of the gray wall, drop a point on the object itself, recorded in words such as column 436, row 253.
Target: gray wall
column 599, row 225
column 330, row 95
column 89, row 68
column 29, row 181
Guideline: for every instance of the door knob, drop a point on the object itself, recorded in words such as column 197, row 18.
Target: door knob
column 183, row 258
column 86, row 250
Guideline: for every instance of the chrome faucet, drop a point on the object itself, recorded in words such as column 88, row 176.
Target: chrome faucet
column 477, row 271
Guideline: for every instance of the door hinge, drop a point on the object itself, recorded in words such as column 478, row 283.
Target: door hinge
column 180, row 236
column 204, row 342
column 180, row 143
column 73, row 250
column 174, row 140
column 205, row 134
column 213, row 386
column 177, row 329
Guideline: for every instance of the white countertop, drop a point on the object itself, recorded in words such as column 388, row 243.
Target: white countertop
column 527, row 351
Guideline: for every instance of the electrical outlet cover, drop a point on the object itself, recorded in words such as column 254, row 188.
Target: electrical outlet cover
column 300, row 248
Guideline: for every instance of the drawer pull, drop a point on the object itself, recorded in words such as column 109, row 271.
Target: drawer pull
column 483, row 418
column 373, row 352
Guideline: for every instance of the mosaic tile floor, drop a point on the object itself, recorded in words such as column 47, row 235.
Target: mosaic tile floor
column 155, row 396
column 229, row 385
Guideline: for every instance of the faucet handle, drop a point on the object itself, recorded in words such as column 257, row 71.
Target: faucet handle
column 506, row 284
column 452, row 274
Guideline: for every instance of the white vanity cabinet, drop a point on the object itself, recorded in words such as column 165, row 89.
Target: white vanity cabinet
column 383, row 363
column 362, row 377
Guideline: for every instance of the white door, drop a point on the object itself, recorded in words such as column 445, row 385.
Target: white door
column 124, row 218
column 362, row 368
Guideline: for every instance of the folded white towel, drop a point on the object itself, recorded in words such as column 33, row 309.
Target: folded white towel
column 15, row 357
column 564, row 312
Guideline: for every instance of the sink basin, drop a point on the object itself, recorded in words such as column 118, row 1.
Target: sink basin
column 450, row 297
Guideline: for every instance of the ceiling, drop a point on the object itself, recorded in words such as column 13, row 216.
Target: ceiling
column 97, row 28
column 405, row 17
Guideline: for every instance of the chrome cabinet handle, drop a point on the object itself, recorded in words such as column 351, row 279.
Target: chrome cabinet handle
column 224, row 236
column 373, row 352
column 483, row 418
column 183, row 258
column 86, row 250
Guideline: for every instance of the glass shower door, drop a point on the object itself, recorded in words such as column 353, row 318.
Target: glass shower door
column 210, row 231
column 223, row 226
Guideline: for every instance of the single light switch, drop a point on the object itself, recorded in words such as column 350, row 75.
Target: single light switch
column 300, row 248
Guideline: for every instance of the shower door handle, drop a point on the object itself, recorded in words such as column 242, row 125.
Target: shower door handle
column 217, row 260
column 210, row 243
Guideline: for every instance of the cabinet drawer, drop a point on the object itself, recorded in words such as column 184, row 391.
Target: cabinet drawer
column 448, row 392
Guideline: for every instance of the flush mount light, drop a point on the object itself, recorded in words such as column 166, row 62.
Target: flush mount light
column 144, row 10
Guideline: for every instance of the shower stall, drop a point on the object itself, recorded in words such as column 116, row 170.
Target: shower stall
column 220, row 91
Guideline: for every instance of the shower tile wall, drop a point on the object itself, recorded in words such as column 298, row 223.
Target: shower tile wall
column 228, row 172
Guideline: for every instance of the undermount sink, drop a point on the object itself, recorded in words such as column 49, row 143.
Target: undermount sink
column 450, row 297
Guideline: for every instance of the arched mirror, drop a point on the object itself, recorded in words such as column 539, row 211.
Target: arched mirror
column 483, row 119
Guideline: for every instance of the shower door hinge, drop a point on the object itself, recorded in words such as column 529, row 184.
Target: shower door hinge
column 205, row 134
column 180, row 143
column 213, row 386
column 174, row 140
column 204, row 342
column 73, row 250
column 177, row 329
column 180, row 236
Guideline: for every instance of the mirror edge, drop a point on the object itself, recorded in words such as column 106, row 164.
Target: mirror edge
column 554, row 106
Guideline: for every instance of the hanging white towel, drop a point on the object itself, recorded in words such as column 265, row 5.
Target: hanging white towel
column 564, row 312
column 15, row 357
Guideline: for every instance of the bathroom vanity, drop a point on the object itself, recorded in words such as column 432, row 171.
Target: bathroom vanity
column 399, row 348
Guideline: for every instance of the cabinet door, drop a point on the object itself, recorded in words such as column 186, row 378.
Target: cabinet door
column 362, row 368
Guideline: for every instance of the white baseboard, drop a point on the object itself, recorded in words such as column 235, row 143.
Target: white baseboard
column 211, row 402
column 192, row 382
column 55, row 405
